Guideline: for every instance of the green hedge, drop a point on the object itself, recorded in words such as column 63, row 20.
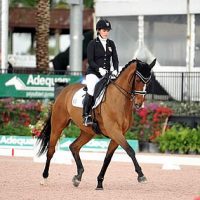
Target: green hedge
column 13, row 129
column 180, row 139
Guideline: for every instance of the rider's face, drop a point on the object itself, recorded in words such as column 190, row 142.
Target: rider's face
column 104, row 33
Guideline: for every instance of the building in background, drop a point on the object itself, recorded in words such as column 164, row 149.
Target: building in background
column 167, row 30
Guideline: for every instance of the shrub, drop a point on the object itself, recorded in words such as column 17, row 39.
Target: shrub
column 71, row 131
column 180, row 139
column 13, row 129
column 131, row 135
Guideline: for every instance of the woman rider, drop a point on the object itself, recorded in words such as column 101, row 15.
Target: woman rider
column 99, row 53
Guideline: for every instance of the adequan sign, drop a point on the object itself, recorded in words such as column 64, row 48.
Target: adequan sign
column 16, row 141
column 95, row 145
column 32, row 86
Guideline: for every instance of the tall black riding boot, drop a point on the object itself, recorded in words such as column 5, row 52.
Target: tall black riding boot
column 87, row 106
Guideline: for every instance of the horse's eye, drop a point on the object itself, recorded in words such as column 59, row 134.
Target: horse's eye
column 138, row 80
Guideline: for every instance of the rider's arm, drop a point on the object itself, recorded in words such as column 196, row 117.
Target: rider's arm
column 115, row 57
column 91, row 56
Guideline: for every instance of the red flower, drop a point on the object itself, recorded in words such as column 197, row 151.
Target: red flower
column 143, row 113
column 5, row 117
column 149, row 121
column 25, row 119
column 154, row 135
column 36, row 132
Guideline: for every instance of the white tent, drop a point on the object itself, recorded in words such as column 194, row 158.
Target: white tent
column 167, row 30
column 105, row 8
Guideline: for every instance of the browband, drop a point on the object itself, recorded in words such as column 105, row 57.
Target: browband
column 145, row 80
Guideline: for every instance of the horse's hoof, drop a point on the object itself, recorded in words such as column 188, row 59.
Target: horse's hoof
column 142, row 179
column 75, row 181
column 99, row 188
column 43, row 181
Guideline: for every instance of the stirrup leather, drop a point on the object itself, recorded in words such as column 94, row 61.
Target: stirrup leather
column 87, row 120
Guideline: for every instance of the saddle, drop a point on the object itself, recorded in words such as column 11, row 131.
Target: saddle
column 99, row 92
column 101, row 86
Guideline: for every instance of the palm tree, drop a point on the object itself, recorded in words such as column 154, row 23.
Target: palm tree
column 42, row 34
column 42, row 28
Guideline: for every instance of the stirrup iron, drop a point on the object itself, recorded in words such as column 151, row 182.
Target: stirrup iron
column 87, row 120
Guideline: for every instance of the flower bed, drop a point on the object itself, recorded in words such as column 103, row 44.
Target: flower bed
column 149, row 121
column 25, row 117
column 17, row 115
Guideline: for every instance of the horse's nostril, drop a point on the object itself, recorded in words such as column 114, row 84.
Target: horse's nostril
column 137, row 106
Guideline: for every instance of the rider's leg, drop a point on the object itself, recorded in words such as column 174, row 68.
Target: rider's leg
column 91, row 80
column 87, row 106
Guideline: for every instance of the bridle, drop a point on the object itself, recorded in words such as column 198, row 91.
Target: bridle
column 144, row 80
column 131, row 94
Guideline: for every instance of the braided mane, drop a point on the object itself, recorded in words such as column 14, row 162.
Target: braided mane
column 129, row 63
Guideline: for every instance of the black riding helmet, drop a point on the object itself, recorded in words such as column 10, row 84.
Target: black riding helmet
column 103, row 24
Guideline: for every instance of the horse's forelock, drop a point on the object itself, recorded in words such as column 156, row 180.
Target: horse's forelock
column 144, row 69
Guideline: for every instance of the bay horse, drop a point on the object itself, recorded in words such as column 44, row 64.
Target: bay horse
column 114, row 116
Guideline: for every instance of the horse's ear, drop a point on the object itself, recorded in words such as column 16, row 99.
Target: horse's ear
column 152, row 64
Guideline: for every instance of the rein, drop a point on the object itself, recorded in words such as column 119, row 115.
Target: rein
column 122, row 90
column 131, row 95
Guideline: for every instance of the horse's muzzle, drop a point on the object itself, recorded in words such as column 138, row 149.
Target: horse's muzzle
column 138, row 106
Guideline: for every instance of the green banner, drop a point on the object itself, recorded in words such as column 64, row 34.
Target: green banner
column 16, row 141
column 31, row 85
column 95, row 144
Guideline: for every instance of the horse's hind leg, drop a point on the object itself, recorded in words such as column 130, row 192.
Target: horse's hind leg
column 111, row 149
column 75, row 149
column 57, row 127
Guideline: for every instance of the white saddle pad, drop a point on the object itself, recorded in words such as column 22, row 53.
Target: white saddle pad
column 79, row 96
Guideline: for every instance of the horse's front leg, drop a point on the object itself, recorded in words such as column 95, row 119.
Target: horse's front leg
column 111, row 149
column 75, row 149
column 120, row 139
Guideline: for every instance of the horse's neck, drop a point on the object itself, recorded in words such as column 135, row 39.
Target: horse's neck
column 118, row 101
column 122, row 87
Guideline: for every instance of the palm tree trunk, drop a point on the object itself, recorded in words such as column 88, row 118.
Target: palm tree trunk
column 42, row 34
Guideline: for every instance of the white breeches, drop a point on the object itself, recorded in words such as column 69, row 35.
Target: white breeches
column 91, row 81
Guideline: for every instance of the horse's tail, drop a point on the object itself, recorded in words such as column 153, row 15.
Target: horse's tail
column 45, row 136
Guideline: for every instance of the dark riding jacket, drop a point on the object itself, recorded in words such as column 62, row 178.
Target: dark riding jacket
column 98, row 57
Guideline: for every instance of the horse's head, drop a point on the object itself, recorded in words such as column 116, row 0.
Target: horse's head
column 141, row 79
